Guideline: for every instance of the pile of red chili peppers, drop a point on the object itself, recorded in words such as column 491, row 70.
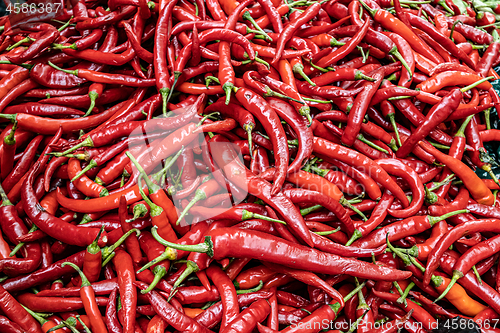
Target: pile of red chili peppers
column 244, row 166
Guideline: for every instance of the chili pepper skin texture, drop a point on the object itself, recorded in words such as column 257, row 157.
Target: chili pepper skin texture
column 255, row 244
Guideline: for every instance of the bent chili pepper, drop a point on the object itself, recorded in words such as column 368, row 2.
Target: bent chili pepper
column 474, row 184
column 268, row 117
column 52, row 225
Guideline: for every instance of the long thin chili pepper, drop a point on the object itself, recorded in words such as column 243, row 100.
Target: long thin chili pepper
column 266, row 115
column 88, row 297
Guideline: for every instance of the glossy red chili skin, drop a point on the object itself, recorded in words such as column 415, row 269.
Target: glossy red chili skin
column 358, row 111
column 298, row 124
column 228, row 294
column 22, row 165
column 269, row 119
column 52, row 225
column 310, row 197
column 485, row 292
column 223, row 239
column 346, row 155
column 13, row 227
column 170, row 314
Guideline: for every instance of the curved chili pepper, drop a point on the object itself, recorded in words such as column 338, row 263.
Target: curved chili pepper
column 435, row 116
column 290, row 29
column 398, row 168
column 476, row 187
column 358, row 110
column 83, row 183
column 268, row 117
column 398, row 230
column 450, row 78
column 451, row 236
column 52, row 225
column 345, row 49
column 346, row 155
column 228, row 294
column 304, row 133
column 17, row 313
column 389, row 22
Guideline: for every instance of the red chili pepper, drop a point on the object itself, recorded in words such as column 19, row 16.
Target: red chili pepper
column 332, row 150
column 435, row 116
column 290, row 29
column 17, row 313
column 389, row 22
column 479, row 191
column 89, row 302
column 172, row 316
column 268, row 117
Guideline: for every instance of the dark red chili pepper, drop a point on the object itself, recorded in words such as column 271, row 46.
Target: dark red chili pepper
column 49, row 34
column 84, row 42
column 228, row 295
column 111, row 318
column 172, row 316
column 346, row 155
column 22, row 165
column 435, row 116
column 222, row 239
